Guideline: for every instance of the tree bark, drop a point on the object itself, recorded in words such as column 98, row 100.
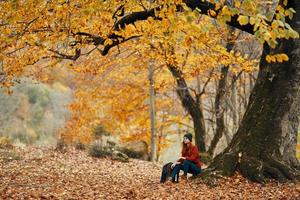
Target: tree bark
column 152, row 112
column 233, row 108
column 264, row 145
column 220, row 103
column 219, row 110
column 191, row 107
column 200, row 106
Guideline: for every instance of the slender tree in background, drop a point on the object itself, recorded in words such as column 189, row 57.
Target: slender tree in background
column 221, row 98
column 152, row 111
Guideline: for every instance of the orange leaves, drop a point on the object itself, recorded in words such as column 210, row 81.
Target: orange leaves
column 212, row 13
column 48, row 174
column 188, row 41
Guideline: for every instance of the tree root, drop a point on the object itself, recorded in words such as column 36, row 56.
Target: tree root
column 252, row 169
column 222, row 165
column 225, row 164
column 257, row 170
column 288, row 172
column 260, row 170
column 210, row 178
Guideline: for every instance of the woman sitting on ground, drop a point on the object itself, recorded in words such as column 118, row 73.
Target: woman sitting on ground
column 190, row 160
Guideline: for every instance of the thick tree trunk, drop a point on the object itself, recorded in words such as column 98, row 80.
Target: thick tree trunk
column 191, row 107
column 264, row 145
column 233, row 108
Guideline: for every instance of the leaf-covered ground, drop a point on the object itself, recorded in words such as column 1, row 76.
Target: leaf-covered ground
column 47, row 174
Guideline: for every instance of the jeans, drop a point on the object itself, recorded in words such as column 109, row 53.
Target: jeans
column 188, row 167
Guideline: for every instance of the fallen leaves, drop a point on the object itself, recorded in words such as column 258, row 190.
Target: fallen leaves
column 48, row 174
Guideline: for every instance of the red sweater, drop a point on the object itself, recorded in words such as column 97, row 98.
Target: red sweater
column 192, row 154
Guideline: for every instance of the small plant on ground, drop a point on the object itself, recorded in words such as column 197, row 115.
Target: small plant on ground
column 6, row 143
column 96, row 150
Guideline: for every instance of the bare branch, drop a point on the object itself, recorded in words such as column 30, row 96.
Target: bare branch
column 206, row 83
column 65, row 56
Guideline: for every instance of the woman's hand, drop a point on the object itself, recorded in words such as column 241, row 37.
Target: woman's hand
column 175, row 163
column 183, row 158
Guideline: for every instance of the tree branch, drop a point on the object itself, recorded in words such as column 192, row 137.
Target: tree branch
column 206, row 83
column 202, row 7
column 65, row 56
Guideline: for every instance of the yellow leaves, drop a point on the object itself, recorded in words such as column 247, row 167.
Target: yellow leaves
column 277, row 58
column 243, row 20
column 252, row 20
column 289, row 12
column 280, row 9
column 282, row 57
column 237, row 3
column 188, row 41
column 108, row 42
column 150, row 20
column 270, row 59
column 226, row 11
column 130, row 28
column 212, row 13
column 226, row 14
column 275, row 24
column 218, row 6
column 178, row 2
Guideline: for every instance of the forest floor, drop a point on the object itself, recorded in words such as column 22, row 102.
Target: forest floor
column 37, row 173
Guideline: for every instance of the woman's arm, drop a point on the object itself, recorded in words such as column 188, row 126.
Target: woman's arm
column 194, row 154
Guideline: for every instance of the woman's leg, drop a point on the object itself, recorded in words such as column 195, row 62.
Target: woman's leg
column 175, row 171
column 190, row 167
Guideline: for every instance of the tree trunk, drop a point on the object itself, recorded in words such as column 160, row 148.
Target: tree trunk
column 264, row 145
column 160, row 137
column 200, row 106
column 191, row 107
column 220, row 102
column 152, row 111
column 234, row 106
column 219, row 110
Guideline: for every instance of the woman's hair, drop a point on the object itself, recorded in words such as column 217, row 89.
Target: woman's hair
column 186, row 148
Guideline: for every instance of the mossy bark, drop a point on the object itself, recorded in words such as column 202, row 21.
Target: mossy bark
column 264, row 145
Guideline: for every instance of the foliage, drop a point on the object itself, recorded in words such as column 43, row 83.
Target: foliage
column 6, row 143
column 97, row 150
column 120, row 156
column 33, row 113
column 131, row 153
column 100, row 131
column 80, row 146
column 56, row 29
column 61, row 146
